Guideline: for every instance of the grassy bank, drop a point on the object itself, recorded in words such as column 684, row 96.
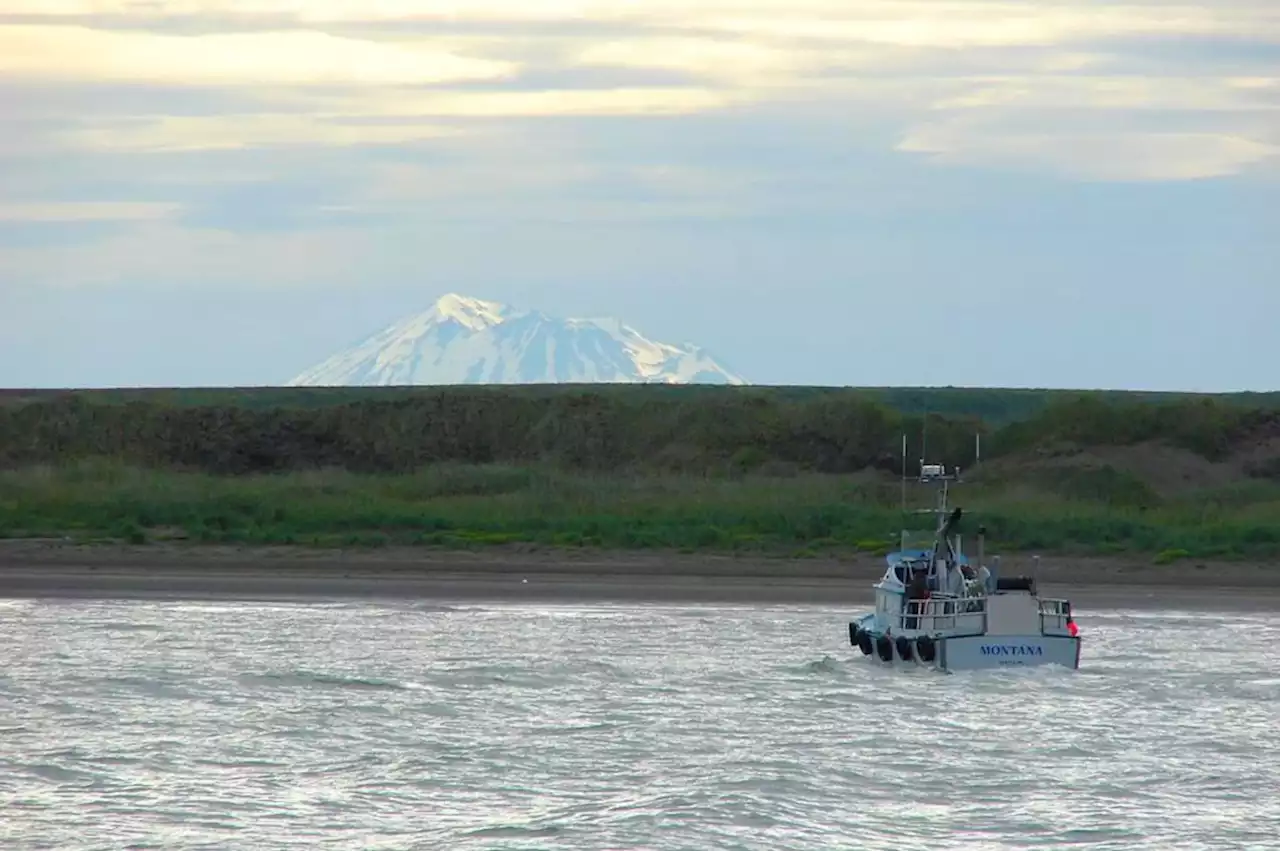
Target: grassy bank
column 632, row 429
column 994, row 405
column 487, row 505
column 779, row 470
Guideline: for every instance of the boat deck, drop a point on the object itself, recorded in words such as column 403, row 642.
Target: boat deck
column 954, row 617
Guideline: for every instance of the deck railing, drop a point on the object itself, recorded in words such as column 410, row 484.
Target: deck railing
column 1054, row 615
column 953, row 615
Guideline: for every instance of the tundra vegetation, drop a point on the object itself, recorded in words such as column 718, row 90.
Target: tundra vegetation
column 788, row 471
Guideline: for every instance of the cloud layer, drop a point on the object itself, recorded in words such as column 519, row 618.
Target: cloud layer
column 296, row 131
column 971, row 76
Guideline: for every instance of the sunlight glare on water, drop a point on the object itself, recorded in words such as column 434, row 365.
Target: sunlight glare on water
column 183, row 725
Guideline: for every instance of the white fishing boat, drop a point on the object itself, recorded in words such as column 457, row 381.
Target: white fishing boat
column 934, row 608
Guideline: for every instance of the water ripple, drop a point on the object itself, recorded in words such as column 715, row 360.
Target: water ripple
column 177, row 725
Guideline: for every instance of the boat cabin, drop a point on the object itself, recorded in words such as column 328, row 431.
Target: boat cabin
column 935, row 590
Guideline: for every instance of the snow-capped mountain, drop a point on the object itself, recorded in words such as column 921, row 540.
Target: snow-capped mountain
column 465, row 340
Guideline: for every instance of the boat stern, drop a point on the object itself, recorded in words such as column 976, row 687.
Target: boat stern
column 982, row 652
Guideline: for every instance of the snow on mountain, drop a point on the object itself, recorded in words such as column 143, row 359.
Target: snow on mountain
column 465, row 340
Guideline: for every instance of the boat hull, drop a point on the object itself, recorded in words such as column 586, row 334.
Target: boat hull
column 969, row 652
column 982, row 652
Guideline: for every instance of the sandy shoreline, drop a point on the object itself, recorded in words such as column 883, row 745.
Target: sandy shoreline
column 44, row 569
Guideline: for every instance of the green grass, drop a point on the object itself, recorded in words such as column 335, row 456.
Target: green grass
column 798, row 471
column 642, row 429
column 993, row 405
column 453, row 505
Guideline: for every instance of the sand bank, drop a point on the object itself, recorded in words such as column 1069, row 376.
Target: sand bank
column 51, row 569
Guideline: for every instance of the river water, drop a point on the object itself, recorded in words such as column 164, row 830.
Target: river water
column 181, row 725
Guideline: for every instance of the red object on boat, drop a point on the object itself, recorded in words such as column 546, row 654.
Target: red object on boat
column 1073, row 629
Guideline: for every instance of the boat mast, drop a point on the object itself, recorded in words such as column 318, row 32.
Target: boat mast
column 902, row 533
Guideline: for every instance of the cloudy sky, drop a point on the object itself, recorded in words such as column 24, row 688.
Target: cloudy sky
column 1014, row 192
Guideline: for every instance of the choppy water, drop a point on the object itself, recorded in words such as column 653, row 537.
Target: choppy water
column 178, row 725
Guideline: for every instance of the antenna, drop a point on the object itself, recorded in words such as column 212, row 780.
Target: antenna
column 904, row 471
column 924, row 438
column 902, row 535
column 977, row 447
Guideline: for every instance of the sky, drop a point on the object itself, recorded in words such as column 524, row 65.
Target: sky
column 1030, row 193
